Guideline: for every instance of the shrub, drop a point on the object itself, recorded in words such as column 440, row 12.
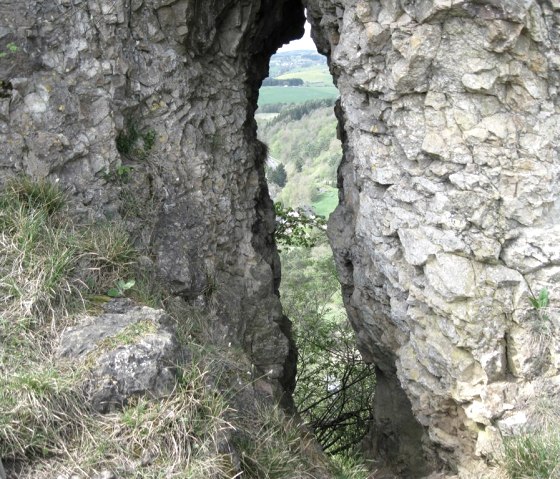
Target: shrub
column 334, row 386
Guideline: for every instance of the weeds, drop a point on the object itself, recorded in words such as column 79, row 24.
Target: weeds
column 272, row 451
column 131, row 142
column 540, row 305
column 120, row 288
column 533, row 455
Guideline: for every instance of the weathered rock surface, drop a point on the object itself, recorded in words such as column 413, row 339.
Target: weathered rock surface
column 449, row 184
column 129, row 351
column 449, row 210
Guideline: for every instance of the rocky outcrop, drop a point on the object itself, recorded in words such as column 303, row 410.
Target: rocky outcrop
column 143, row 111
column 449, row 209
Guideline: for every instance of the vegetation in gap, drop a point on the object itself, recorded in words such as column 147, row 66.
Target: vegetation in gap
column 310, row 160
column 335, row 387
column 296, row 228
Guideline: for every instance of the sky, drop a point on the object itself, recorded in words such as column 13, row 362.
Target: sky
column 304, row 43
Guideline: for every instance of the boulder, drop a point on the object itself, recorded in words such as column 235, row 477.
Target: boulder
column 129, row 350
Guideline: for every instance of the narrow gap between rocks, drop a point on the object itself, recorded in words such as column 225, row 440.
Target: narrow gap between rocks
column 334, row 386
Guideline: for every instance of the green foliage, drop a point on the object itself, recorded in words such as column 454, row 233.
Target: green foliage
column 334, row 388
column 540, row 304
column 10, row 48
column 295, row 94
column 318, row 75
column 326, row 202
column 346, row 466
column 120, row 288
column 534, row 455
column 297, row 112
column 131, row 142
column 121, row 174
column 541, row 301
column 296, row 228
column 270, row 447
column 291, row 81
column 311, row 161
column 46, row 425
column 278, row 175
column 32, row 195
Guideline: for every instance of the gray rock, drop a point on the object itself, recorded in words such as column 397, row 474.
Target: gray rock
column 130, row 351
column 447, row 216
column 2, row 471
column 197, row 202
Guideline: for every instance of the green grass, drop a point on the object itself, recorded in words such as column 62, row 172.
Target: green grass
column 326, row 203
column 533, row 455
column 280, row 94
column 316, row 76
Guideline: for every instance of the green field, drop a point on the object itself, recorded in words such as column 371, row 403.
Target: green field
column 295, row 94
column 314, row 76
column 326, row 203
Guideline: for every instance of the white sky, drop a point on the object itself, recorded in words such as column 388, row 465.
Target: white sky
column 305, row 43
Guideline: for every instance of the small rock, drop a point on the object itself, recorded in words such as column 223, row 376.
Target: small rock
column 133, row 352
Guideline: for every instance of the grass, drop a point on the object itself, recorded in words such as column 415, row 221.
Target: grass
column 279, row 94
column 318, row 76
column 533, row 455
column 273, row 449
column 326, row 203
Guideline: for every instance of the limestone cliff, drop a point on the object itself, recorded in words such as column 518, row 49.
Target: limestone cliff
column 449, row 116
column 449, row 214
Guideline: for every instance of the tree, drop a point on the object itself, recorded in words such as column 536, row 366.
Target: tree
column 296, row 228
column 278, row 175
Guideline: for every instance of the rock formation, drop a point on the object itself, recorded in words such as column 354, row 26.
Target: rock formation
column 143, row 111
column 130, row 351
column 449, row 214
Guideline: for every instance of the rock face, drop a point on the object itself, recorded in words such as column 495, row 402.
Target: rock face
column 143, row 111
column 449, row 210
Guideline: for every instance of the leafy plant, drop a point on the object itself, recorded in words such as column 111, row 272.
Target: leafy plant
column 121, row 174
column 296, row 228
column 334, row 386
column 120, row 288
column 128, row 141
column 278, row 175
column 540, row 303
column 10, row 48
